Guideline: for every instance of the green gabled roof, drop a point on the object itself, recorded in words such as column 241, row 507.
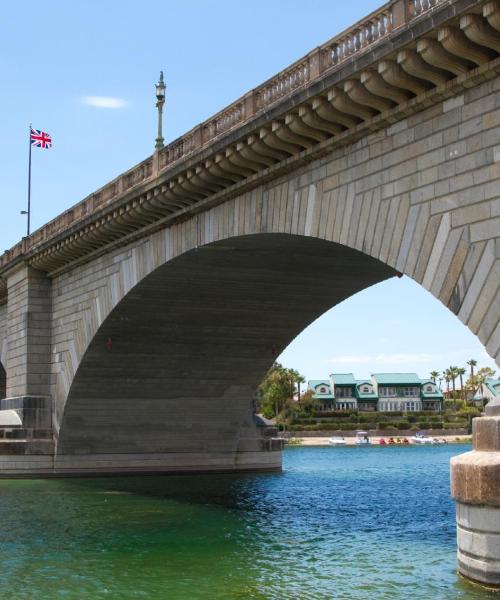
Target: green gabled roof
column 493, row 385
column 365, row 395
column 343, row 378
column 313, row 383
column 437, row 395
column 396, row 378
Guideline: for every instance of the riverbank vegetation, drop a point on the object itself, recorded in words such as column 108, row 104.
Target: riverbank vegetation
column 280, row 395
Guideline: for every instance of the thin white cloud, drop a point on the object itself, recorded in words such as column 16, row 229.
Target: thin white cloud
column 384, row 359
column 104, row 102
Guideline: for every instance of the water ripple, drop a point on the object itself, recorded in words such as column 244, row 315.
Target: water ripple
column 338, row 523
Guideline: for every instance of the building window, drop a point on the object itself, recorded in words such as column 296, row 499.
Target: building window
column 429, row 388
column 343, row 392
column 366, row 389
column 410, row 391
column 323, row 390
column 387, row 391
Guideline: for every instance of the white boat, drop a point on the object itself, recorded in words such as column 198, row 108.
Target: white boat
column 362, row 438
column 337, row 441
column 421, row 438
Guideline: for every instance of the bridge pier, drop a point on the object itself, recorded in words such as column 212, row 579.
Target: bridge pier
column 28, row 363
column 475, row 485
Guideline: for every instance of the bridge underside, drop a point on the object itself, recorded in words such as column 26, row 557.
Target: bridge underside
column 171, row 375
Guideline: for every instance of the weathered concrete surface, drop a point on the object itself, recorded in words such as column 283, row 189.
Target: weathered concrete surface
column 478, row 537
column 475, row 485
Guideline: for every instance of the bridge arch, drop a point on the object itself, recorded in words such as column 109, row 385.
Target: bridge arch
column 233, row 260
column 417, row 198
column 175, row 365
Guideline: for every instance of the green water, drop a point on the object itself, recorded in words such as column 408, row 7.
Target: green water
column 337, row 523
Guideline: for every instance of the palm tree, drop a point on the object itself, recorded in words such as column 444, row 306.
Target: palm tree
column 434, row 375
column 298, row 380
column 447, row 378
column 461, row 372
column 472, row 363
column 453, row 376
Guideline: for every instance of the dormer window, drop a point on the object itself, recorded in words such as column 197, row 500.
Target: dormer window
column 428, row 388
column 366, row 389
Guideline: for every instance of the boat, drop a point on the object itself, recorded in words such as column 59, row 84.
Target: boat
column 337, row 441
column 362, row 438
column 421, row 438
column 439, row 441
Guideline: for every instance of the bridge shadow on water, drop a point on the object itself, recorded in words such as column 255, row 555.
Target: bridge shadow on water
column 337, row 523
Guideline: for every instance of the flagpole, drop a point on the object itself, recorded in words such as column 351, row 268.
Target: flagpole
column 29, row 183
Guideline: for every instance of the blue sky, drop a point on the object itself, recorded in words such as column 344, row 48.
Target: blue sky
column 84, row 71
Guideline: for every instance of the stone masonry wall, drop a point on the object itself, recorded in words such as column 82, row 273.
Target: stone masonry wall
column 27, row 356
column 421, row 196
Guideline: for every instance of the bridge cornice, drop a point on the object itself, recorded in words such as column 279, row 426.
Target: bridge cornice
column 373, row 78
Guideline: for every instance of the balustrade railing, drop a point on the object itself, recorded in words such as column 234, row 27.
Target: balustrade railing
column 281, row 85
column 333, row 53
column 225, row 120
column 365, row 33
column 419, row 7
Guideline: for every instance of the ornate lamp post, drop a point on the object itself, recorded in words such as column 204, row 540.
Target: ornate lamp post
column 160, row 101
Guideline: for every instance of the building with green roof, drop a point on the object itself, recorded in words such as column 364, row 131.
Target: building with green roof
column 344, row 388
column 366, row 395
column 385, row 392
column 490, row 388
column 323, row 393
column 406, row 392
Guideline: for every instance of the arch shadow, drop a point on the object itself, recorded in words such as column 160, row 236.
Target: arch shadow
column 176, row 363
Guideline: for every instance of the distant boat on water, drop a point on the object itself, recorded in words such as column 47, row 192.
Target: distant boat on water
column 422, row 438
column 337, row 441
column 362, row 438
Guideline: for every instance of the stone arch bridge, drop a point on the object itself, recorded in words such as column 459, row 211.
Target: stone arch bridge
column 136, row 326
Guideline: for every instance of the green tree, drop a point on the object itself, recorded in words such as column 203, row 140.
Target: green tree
column 474, row 382
column 447, row 378
column 453, row 375
column 434, row 375
column 308, row 405
column 472, row 363
column 277, row 389
column 461, row 372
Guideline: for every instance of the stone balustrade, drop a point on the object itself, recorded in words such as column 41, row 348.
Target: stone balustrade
column 349, row 43
column 419, row 7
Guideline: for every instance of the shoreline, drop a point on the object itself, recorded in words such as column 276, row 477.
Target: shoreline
column 351, row 441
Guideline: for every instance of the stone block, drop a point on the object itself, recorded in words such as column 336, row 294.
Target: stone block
column 453, row 103
column 475, row 478
column 486, row 433
column 478, row 541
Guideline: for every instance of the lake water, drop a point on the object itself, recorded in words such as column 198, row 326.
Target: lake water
column 367, row 523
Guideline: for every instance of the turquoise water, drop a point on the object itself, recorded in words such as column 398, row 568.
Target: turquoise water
column 370, row 523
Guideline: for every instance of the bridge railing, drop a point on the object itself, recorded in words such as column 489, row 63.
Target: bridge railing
column 351, row 42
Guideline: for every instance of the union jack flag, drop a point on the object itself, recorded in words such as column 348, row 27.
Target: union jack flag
column 40, row 139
